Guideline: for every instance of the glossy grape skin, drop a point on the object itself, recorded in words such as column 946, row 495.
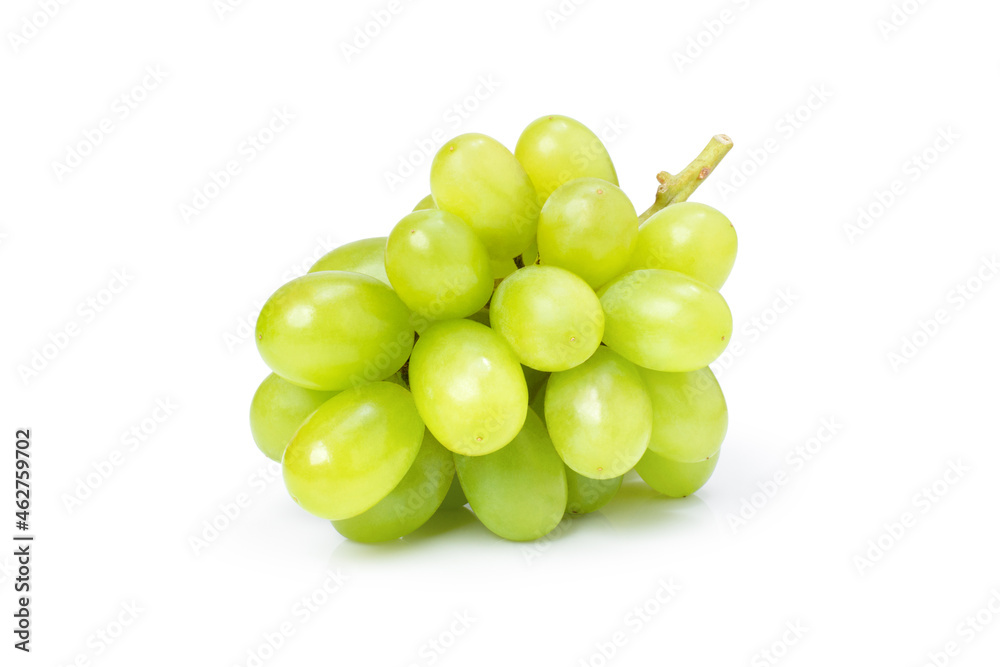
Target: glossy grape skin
column 556, row 149
column 425, row 204
column 438, row 266
column 551, row 317
column 479, row 180
column 664, row 320
column 277, row 411
column 331, row 329
column 690, row 417
column 468, row 387
column 599, row 415
column 518, row 492
column 588, row 226
column 586, row 495
column 674, row 478
column 353, row 451
column 690, row 238
column 455, row 497
column 366, row 256
column 408, row 506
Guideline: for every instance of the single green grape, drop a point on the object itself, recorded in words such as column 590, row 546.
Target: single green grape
column 588, row 495
column 675, row 478
column 530, row 256
column 502, row 267
column 353, row 451
column 551, row 317
column 518, row 492
column 588, row 226
column 408, row 506
column 534, row 379
column 331, row 329
column 397, row 378
column 438, row 266
column 690, row 417
column 664, row 320
column 481, row 316
column 537, row 402
column 689, row 238
column 599, row 415
column 366, row 256
column 479, row 180
column 555, row 150
column 455, row 498
column 277, row 411
column 425, row 204
column 468, row 387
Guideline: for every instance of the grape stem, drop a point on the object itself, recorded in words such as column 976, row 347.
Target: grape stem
column 674, row 189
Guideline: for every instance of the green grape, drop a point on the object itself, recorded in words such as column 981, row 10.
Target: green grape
column 555, row 150
column 674, row 478
column 530, row 256
column 502, row 267
column 456, row 497
column 599, row 415
column 589, row 227
column 408, row 506
column 534, row 379
column 277, row 411
column 331, row 329
column 690, row 417
column 481, row 316
column 366, row 256
column 689, row 238
column 425, row 204
column 518, row 492
column 437, row 265
column 468, row 387
column 588, row 495
column 538, row 400
column 664, row 320
column 480, row 181
column 551, row 318
column 353, row 451
column 397, row 378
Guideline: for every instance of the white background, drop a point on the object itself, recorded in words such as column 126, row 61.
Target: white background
column 178, row 329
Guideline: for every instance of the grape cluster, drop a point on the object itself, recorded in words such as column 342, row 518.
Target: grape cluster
column 518, row 342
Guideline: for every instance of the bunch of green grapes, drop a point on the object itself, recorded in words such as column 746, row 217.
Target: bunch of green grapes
column 519, row 342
